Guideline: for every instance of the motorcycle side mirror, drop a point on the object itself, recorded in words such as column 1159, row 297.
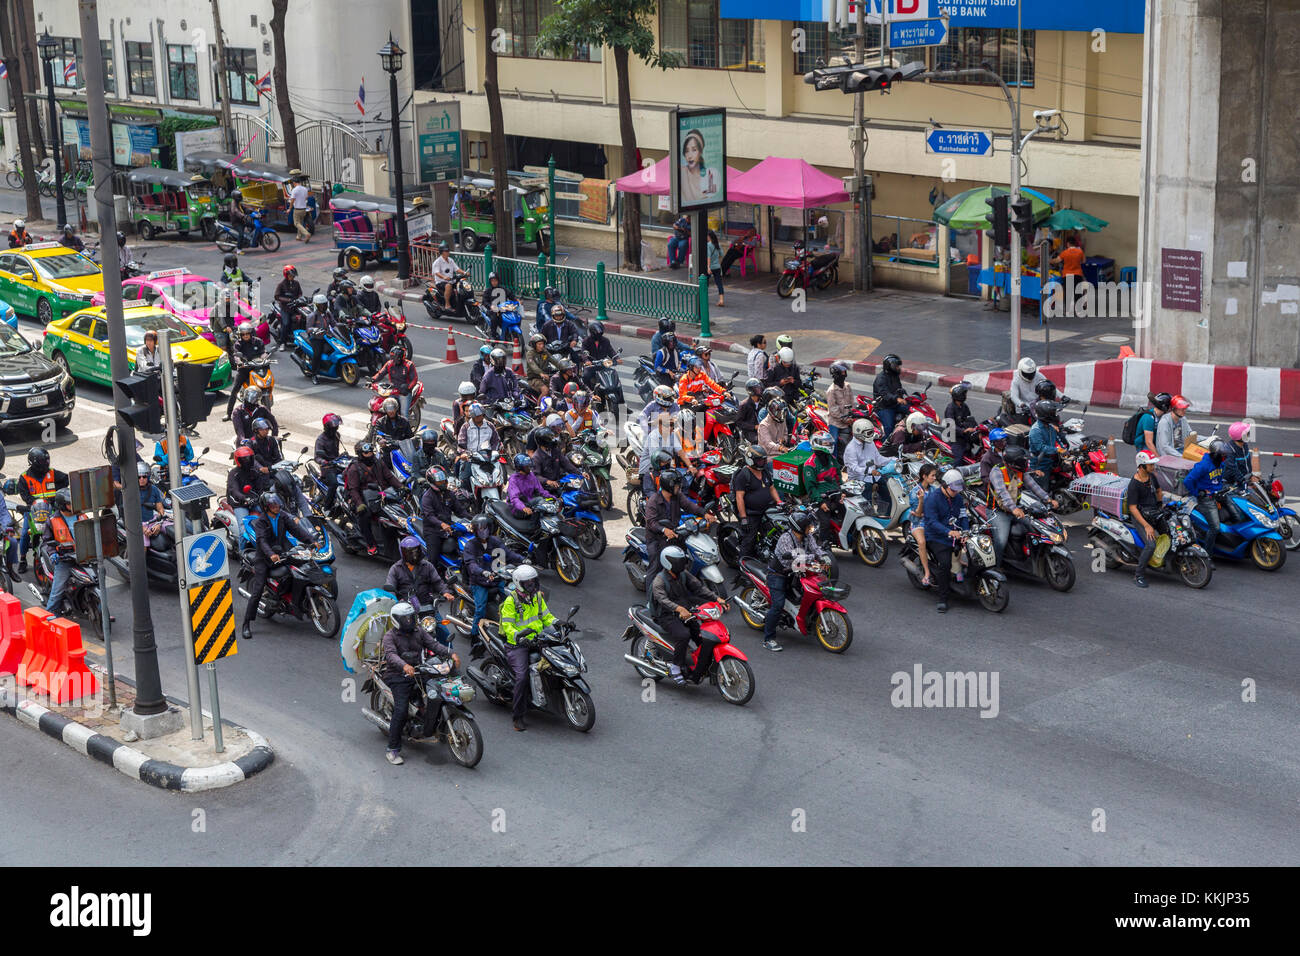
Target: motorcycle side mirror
column 304, row 451
column 204, row 451
column 572, row 611
column 388, row 305
column 248, row 489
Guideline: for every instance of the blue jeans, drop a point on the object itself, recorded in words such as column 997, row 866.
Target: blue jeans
column 404, row 404
column 482, row 594
column 776, row 586
column 888, row 416
column 241, row 518
column 1209, row 509
column 674, row 244
column 62, row 572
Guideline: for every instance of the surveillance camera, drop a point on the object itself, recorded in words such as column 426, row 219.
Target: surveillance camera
column 1046, row 114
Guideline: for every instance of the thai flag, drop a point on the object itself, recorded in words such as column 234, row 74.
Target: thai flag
column 361, row 97
column 264, row 84
column 70, row 72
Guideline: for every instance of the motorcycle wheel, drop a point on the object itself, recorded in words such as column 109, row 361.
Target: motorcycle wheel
column 349, row 373
column 464, row 739
column 1289, row 528
column 823, row 280
column 641, row 647
column 994, row 595
column 785, row 286
column 1059, row 572
column 729, row 447
column 636, row 507
column 735, row 681
column 497, row 676
column 92, row 611
column 755, row 599
column 417, row 413
column 381, row 704
column 569, row 565
column 579, row 711
column 1195, row 570
column 833, row 630
column 270, row 241
column 605, row 491
column 324, row 614
column 1067, row 502
column 1267, row 553
column 872, row 547
column 592, row 541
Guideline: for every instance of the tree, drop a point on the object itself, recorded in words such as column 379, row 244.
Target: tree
column 223, row 74
column 8, row 48
column 25, row 38
column 623, row 25
column 505, row 222
column 279, row 76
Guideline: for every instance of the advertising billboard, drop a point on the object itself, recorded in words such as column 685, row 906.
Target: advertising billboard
column 698, row 148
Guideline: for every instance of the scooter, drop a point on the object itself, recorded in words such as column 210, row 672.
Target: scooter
column 601, row 379
column 693, row 535
column 260, row 375
column 81, row 594
column 1270, row 496
column 817, row 610
column 1036, row 546
column 230, row 239
column 805, row 270
column 540, row 537
column 1177, row 551
column 393, row 326
column 555, row 673
column 651, row 652
column 580, row 515
column 980, row 578
column 487, row 477
column 509, row 319
column 1245, row 531
column 591, row 456
column 463, row 303
column 865, row 529
column 338, row 363
column 298, row 586
column 369, row 338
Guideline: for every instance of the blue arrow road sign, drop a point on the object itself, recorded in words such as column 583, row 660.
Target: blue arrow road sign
column 205, row 557
column 906, row 33
column 963, row 142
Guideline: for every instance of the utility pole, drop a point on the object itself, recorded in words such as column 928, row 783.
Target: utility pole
column 862, row 246
column 223, row 76
column 149, row 694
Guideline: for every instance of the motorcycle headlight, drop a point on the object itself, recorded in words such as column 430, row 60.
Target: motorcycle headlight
column 1262, row 518
column 551, row 525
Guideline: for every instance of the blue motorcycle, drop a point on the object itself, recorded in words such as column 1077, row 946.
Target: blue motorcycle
column 692, row 534
column 580, row 514
column 509, row 315
column 230, row 239
column 339, row 363
column 1245, row 531
column 1177, row 552
column 369, row 338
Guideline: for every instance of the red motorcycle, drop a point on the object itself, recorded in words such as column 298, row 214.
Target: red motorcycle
column 817, row 609
column 719, row 412
column 383, row 392
column 808, row 270
column 652, row 653
column 393, row 327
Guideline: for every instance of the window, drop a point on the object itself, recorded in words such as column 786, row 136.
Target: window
column 182, row 71
column 993, row 49
column 241, row 68
column 830, row 45
column 110, row 76
column 82, row 325
column 139, row 69
column 67, row 56
column 521, row 20
column 693, row 29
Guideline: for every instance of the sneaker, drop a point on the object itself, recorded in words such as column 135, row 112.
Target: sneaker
column 315, row 379
column 226, row 418
column 372, row 550
column 247, row 633
column 22, row 566
column 942, row 607
column 772, row 645
column 1140, row 581
column 520, row 725
column 675, row 673
column 394, row 757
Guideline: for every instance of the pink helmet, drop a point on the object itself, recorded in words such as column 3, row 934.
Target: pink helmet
column 1238, row 430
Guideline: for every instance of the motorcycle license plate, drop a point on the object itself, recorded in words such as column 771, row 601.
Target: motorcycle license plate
column 36, row 401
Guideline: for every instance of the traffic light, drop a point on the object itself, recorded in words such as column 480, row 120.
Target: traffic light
column 869, row 81
column 1022, row 219
column 144, row 395
column 192, row 391
column 1001, row 225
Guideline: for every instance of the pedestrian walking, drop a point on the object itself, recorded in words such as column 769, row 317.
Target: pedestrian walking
column 298, row 196
column 715, row 262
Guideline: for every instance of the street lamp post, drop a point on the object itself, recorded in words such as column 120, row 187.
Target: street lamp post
column 391, row 58
column 49, row 47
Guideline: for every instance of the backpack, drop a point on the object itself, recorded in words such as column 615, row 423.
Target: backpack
column 1129, row 432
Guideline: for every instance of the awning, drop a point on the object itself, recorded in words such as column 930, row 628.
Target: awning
column 786, row 183
column 653, row 181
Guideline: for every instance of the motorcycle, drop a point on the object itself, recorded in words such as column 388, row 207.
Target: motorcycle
column 512, row 425
column 438, row 708
column 1245, row 531
column 339, row 361
column 590, row 455
column 298, row 586
column 260, row 375
column 693, row 535
column 540, row 537
column 384, row 392
column 806, row 270
column 980, row 579
column 817, row 610
column 601, row 379
column 555, row 668
column 1270, row 495
column 487, row 477
column 1177, row 551
column 580, row 514
column 509, row 319
column 393, row 327
column 1036, row 547
column 652, row 653
column 81, row 594
column 369, row 338
column 463, row 302
column 230, row 239
column 864, row 529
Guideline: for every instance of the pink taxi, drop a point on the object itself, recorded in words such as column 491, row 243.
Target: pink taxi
column 185, row 295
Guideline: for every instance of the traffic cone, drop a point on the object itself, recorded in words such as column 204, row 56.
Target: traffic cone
column 1126, row 352
column 517, row 363
column 451, row 347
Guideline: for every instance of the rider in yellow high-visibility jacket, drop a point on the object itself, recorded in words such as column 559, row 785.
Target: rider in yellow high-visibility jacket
column 523, row 616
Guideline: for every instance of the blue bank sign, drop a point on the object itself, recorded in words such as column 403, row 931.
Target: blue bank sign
column 1115, row 16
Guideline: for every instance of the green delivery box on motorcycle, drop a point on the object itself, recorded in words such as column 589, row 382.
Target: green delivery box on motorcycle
column 786, row 470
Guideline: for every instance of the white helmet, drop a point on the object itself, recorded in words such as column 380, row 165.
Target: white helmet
column 320, row 299
column 466, row 389
column 524, row 579
column 863, row 430
column 20, row 223
column 786, row 355
column 1146, row 458
column 1027, row 367
column 915, row 421
column 953, row 479
column 367, row 282
column 554, row 421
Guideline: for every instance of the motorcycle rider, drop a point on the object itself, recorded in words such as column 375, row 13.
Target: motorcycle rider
column 401, row 375
column 945, row 519
column 523, row 488
column 663, row 513
column 889, row 398
column 566, row 374
column 910, row 437
column 234, row 276
column 329, row 448
column 925, row 479
column 499, row 383
column 368, row 298
column 795, row 550
column 523, row 616
column 345, row 305
column 548, row 463
column 580, row 416
column 38, row 481
column 445, row 272
column 412, row 578
column 392, row 425
column 1237, row 466
column 367, row 471
column 125, row 257
column 437, row 509
column 993, row 457
column 696, row 383
column 773, row 433
column 337, row 278
column 61, row 548
column 467, row 395
column 247, row 347
column 1144, row 496
column 966, row 429
column 1173, row 433
column 672, row 595
column 666, row 325
column 1005, row 483
column 1044, row 436
column 558, row 328
column 153, row 509
column 249, row 411
column 664, row 440
column 480, row 557
column 1023, row 383
column 223, row 320
column 754, row 493
column 705, row 354
column 1149, row 424
column 784, row 374
column 320, row 323
column 266, row 449
column 596, row 345
column 668, row 358
column 662, row 400
column 1204, row 482
column 476, row 434
column 746, row 423
column 538, row 366
column 147, row 356
column 863, row 460
column 19, row 236
column 71, row 240
column 820, row 475
column 839, row 403
column 287, row 292
column 403, row 646
column 271, row 528
column 244, row 475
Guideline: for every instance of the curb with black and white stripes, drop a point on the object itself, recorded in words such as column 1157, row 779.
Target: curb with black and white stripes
column 135, row 763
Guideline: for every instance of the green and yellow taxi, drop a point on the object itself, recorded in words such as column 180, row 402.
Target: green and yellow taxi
column 79, row 343
column 48, row 280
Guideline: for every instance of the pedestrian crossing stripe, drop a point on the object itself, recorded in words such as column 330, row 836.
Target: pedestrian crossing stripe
column 212, row 620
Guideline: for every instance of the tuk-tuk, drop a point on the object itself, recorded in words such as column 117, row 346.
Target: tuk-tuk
column 216, row 167
column 265, row 187
column 365, row 227
column 473, row 218
column 168, row 200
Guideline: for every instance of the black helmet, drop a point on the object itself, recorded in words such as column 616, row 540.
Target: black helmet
column 1045, row 410
column 546, row 437
column 597, row 329
column 892, row 363
column 231, row 260
column 839, row 371
column 551, row 292
column 535, row 338
column 754, row 387
column 498, row 359
column 670, row 480
column 436, row 475
column 121, row 238
column 365, row 449
column 755, row 455
column 270, row 499
column 667, row 325
column 804, row 522
column 674, row 559
column 1046, row 389
column 1164, row 401
column 339, row 274
column 403, row 616
column 63, row 499
column 493, row 275
column 1016, row 457
column 1218, row 451
column 482, row 526
column 770, row 393
column 958, row 391
column 669, row 338
column 38, row 458
column 397, row 352
column 347, row 285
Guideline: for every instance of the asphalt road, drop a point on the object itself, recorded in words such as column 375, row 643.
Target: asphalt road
column 1110, row 701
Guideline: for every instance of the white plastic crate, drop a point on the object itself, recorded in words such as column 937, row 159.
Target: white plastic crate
column 1102, row 491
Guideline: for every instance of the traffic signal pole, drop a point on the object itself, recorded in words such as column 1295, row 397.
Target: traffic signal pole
column 862, row 247
column 149, row 694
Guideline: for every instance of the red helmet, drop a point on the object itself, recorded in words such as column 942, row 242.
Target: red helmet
column 1180, row 403
column 331, row 421
column 290, row 271
column 570, row 389
column 243, row 452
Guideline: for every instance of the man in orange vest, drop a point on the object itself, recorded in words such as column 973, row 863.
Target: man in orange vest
column 59, row 545
column 38, row 481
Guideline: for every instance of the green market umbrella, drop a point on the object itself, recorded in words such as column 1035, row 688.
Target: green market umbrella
column 969, row 210
column 1072, row 219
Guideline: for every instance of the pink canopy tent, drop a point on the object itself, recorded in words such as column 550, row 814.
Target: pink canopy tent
column 653, row 180
column 787, row 183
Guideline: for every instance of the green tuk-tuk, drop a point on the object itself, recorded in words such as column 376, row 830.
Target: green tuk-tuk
column 168, row 200
column 473, row 216
column 216, row 166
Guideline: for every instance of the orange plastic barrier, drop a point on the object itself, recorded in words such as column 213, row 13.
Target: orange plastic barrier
column 13, row 644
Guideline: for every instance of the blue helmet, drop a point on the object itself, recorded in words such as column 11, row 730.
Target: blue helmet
column 260, row 423
column 485, row 350
column 523, row 462
column 998, row 434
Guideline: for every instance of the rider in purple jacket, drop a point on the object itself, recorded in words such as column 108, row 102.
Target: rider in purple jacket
column 523, row 487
